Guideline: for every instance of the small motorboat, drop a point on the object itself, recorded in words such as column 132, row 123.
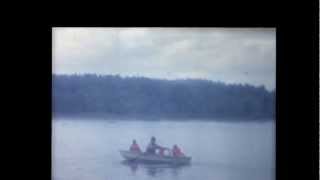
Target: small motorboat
column 154, row 159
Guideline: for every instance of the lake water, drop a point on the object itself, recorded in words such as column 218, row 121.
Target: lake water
column 88, row 149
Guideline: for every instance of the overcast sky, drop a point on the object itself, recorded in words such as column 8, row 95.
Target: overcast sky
column 219, row 54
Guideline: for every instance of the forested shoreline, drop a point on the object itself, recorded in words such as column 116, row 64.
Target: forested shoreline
column 94, row 95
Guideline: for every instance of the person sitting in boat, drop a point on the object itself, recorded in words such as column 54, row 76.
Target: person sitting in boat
column 176, row 151
column 152, row 147
column 135, row 147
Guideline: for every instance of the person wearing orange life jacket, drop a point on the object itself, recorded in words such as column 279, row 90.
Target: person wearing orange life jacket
column 176, row 151
column 135, row 147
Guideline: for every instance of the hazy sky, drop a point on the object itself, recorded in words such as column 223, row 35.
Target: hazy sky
column 231, row 55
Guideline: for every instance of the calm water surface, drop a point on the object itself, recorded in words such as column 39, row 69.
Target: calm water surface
column 88, row 149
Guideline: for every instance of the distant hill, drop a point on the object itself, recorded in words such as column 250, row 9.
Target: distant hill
column 138, row 97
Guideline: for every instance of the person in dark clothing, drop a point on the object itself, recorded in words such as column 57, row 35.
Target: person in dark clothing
column 152, row 147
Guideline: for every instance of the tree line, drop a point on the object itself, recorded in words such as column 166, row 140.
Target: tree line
column 140, row 96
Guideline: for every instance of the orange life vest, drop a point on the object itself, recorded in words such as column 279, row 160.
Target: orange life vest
column 177, row 152
column 135, row 148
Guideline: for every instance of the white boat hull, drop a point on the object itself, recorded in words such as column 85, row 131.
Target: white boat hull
column 147, row 158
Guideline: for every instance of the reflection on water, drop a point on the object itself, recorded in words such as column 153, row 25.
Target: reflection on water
column 153, row 169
